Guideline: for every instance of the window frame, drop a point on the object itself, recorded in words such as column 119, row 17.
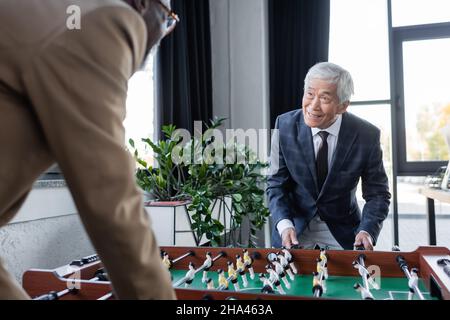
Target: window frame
column 400, row 35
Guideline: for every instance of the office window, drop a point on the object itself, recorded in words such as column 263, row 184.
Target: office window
column 139, row 122
column 359, row 43
column 415, row 12
column 422, row 99
column 426, row 70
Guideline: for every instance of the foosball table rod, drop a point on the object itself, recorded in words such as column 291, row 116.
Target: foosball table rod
column 186, row 278
column 100, row 275
column 190, row 253
column 55, row 295
column 106, row 296
column 412, row 281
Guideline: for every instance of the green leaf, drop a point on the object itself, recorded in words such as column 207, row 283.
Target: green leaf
column 238, row 207
column 237, row 197
column 142, row 163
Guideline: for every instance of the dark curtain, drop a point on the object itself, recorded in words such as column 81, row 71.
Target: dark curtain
column 298, row 39
column 184, row 68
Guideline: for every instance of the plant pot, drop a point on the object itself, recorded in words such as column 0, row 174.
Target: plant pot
column 171, row 221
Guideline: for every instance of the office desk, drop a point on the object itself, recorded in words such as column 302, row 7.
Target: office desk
column 431, row 195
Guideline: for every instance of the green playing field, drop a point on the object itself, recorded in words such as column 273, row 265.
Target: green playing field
column 337, row 287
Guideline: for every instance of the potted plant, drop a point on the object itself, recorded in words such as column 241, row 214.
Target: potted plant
column 216, row 197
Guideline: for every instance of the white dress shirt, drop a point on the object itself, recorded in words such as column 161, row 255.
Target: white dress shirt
column 332, row 139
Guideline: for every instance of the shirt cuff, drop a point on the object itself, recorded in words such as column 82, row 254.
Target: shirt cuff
column 283, row 225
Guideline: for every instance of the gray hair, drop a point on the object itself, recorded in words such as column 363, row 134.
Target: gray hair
column 334, row 74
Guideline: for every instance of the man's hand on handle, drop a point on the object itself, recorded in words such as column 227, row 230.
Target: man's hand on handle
column 364, row 239
column 289, row 238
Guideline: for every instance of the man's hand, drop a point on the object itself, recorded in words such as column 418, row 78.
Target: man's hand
column 289, row 238
column 364, row 239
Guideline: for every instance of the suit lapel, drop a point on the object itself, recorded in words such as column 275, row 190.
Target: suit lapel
column 346, row 139
column 307, row 148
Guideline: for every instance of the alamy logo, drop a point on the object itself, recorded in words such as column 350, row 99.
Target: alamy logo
column 227, row 147
column 374, row 276
column 73, row 21
column 215, row 147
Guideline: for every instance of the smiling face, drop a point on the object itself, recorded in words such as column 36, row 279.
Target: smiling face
column 321, row 104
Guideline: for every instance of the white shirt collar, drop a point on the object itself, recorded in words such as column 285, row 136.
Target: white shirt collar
column 333, row 129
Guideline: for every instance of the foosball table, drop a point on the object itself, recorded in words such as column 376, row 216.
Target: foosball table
column 269, row 274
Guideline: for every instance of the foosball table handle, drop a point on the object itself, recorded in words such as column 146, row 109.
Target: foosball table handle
column 401, row 262
column 445, row 263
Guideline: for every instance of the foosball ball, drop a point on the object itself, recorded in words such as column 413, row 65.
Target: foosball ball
column 268, row 274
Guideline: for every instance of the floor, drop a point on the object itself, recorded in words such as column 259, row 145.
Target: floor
column 413, row 230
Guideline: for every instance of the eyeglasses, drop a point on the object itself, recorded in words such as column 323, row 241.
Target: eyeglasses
column 172, row 18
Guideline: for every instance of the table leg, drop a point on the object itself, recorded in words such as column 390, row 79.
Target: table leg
column 431, row 222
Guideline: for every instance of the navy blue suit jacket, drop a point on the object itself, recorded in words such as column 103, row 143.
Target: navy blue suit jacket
column 293, row 192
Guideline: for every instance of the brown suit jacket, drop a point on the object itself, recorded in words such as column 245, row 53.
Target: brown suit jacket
column 62, row 98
